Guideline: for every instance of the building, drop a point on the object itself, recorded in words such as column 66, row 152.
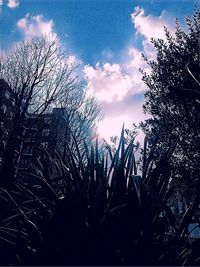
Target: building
column 47, row 131
column 7, row 104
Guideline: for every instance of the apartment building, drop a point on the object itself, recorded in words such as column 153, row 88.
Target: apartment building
column 7, row 104
column 48, row 130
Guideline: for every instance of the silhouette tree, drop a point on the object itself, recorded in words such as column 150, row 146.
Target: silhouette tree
column 175, row 113
column 40, row 76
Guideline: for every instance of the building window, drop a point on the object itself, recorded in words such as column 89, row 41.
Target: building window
column 47, row 120
column 4, row 144
column 30, row 135
column 180, row 207
column 4, row 108
column 44, row 144
column 24, row 180
column 28, row 150
column 7, row 94
column 24, row 163
column 46, row 132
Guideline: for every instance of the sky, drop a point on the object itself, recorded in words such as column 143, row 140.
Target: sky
column 106, row 38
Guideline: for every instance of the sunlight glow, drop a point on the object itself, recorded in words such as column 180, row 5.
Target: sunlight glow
column 111, row 126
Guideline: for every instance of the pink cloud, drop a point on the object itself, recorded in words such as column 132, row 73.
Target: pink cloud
column 150, row 26
column 35, row 25
column 13, row 3
column 108, row 82
column 118, row 86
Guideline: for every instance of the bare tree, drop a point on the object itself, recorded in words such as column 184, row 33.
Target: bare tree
column 40, row 77
column 82, row 123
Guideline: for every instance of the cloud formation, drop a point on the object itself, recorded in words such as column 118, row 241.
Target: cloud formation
column 120, row 90
column 35, row 25
column 151, row 26
column 114, row 82
column 13, row 3
column 118, row 86
column 108, row 82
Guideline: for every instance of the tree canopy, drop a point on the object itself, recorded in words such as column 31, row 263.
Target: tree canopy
column 176, row 115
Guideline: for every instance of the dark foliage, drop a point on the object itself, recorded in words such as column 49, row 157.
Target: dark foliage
column 172, row 99
column 100, row 214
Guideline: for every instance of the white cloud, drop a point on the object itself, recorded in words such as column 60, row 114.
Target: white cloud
column 132, row 64
column 1, row 3
column 108, row 82
column 114, row 82
column 120, row 94
column 35, row 25
column 150, row 26
column 13, row 3
column 118, row 86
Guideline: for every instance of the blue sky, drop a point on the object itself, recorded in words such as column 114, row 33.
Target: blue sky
column 106, row 36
